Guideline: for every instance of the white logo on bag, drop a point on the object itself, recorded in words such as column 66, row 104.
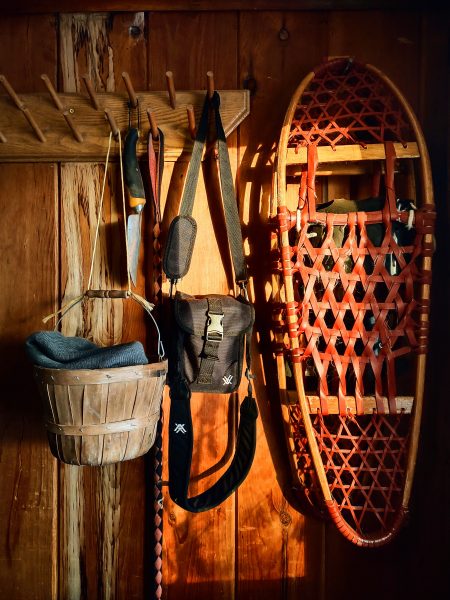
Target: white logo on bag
column 179, row 428
column 227, row 379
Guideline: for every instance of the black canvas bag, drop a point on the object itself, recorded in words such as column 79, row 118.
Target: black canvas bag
column 210, row 334
column 212, row 331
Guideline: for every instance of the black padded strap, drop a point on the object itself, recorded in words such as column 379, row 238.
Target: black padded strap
column 232, row 220
column 180, row 452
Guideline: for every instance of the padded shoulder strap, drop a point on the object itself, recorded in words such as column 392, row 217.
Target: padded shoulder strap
column 180, row 452
column 232, row 220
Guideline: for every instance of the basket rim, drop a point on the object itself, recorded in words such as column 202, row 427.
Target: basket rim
column 110, row 375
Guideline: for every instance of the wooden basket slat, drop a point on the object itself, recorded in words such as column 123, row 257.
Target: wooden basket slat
column 114, row 444
column 149, row 434
column 63, row 412
column 76, row 396
column 144, row 390
column 149, row 388
column 94, row 410
column 56, row 443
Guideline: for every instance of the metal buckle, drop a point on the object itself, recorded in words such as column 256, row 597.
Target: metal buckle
column 214, row 327
column 243, row 286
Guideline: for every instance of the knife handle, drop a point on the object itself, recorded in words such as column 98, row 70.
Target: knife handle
column 132, row 173
column 107, row 294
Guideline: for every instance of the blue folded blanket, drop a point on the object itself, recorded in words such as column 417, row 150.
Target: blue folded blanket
column 53, row 350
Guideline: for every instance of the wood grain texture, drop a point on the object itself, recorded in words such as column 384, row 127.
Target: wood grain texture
column 28, row 6
column 389, row 41
column 258, row 544
column 278, row 547
column 28, row 246
column 427, row 524
column 198, row 556
column 28, row 472
column 101, row 46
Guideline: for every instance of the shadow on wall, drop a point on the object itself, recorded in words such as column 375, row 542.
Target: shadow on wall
column 21, row 415
column 256, row 170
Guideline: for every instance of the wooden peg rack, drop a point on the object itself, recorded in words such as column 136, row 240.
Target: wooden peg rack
column 20, row 143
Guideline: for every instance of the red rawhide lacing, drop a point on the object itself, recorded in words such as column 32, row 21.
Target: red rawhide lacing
column 354, row 316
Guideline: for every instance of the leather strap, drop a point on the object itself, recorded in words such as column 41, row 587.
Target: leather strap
column 155, row 169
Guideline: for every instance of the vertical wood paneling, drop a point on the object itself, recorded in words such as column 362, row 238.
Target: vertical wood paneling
column 97, row 506
column 199, row 549
column 432, row 479
column 28, row 273
column 390, row 40
column 258, row 544
column 275, row 541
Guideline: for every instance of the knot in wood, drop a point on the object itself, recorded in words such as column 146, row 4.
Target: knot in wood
column 134, row 31
column 285, row 518
column 283, row 34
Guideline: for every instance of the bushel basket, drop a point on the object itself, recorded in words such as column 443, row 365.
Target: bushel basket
column 102, row 416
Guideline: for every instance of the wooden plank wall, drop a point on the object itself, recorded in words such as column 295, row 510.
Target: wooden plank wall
column 71, row 532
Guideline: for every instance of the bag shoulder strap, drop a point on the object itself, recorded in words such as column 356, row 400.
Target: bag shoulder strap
column 180, row 452
column 232, row 220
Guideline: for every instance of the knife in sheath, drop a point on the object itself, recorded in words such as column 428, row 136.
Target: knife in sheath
column 136, row 199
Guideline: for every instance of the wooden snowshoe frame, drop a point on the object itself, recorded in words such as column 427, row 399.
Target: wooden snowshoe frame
column 359, row 445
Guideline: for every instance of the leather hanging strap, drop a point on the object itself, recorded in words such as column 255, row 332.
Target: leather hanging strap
column 156, row 168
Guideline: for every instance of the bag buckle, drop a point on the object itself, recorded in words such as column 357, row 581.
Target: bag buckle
column 214, row 327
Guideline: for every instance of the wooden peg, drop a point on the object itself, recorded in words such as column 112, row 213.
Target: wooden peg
column 171, row 89
column 37, row 130
column 210, row 83
column 131, row 93
column 21, row 106
column 153, row 124
column 12, row 94
column 59, row 105
column 191, row 120
column 90, row 90
column 77, row 135
column 52, row 92
column 3, row 140
column 112, row 122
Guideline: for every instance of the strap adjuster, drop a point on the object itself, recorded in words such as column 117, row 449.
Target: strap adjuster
column 214, row 327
